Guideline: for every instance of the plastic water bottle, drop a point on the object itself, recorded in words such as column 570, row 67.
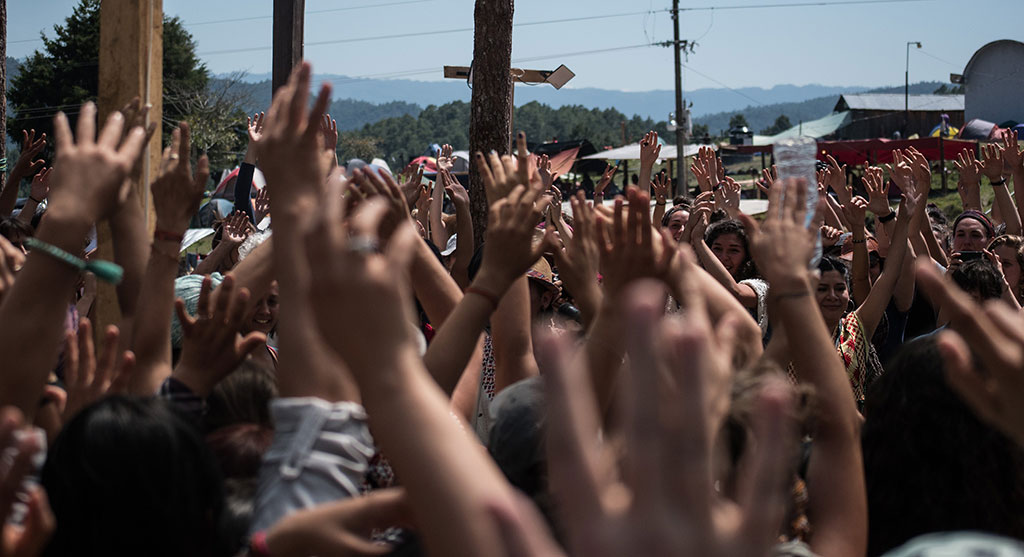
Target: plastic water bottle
column 796, row 158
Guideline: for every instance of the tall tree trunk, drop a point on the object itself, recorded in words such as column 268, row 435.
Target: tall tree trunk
column 490, row 121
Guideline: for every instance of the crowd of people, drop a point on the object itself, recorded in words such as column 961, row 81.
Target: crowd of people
column 349, row 371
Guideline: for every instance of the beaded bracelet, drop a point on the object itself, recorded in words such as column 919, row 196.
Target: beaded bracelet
column 104, row 270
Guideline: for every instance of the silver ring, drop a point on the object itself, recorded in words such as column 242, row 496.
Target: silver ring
column 363, row 245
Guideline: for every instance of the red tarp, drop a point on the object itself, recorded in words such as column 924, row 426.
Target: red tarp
column 877, row 151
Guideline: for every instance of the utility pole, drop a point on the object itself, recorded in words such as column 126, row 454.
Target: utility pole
column 680, row 115
column 3, row 88
column 679, row 47
column 288, row 21
column 130, row 65
column 490, row 120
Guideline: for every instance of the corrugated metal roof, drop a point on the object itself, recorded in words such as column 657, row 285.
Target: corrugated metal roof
column 895, row 102
column 817, row 129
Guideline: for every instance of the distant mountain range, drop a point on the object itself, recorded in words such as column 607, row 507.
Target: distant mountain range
column 362, row 101
column 647, row 104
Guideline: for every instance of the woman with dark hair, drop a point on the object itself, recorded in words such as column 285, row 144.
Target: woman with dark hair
column 972, row 231
column 725, row 255
column 129, row 477
column 675, row 220
column 852, row 330
column 930, row 465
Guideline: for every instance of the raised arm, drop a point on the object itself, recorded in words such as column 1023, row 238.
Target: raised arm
column 87, row 187
column 855, row 212
column 40, row 189
column 291, row 156
column 602, row 184
column 995, row 167
column 25, row 166
column 873, row 307
column 508, row 254
column 782, row 248
column 363, row 313
column 176, row 196
column 465, row 244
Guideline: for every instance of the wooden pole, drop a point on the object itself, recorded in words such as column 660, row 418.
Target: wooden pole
column 288, row 30
column 490, row 121
column 3, row 89
column 131, row 65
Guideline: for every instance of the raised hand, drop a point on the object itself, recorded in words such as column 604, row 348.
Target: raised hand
column 629, row 246
column 700, row 212
column 782, row 246
column 650, row 149
column 30, row 147
column 606, row 178
column 41, row 185
column 829, row 235
column 992, row 162
column 290, row 147
column 445, row 161
column 367, row 297
column 383, row 185
column 674, row 508
column 211, row 346
column 502, row 174
column 411, row 180
column 968, row 183
column 87, row 378
column 329, row 129
column 544, row 170
column 176, row 192
column 1011, row 153
column 727, row 197
column 508, row 246
column 454, row 189
column 261, row 204
column 901, row 171
column 236, row 228
column 660, row 186
column 578, row 256
column 768, row 178
column 707, row 169
column 878, row 199
column 20, row 446
column 855, row 212
column 835, row 178
column 254, row 127
column 89, row 179
column 922, row 171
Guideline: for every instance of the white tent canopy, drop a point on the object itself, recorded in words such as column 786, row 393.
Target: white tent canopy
column 632, row 152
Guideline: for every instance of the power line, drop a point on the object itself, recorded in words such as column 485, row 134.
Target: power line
column 426, row 33
column 798, row 5
column 309, row 12
column 738, row 92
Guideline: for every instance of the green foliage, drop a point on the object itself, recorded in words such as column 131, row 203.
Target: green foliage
column 738, row 121
column 355, row 147
column 66, row 72
column 781, row 124
column 701, row 134
column 950, row 90
column 404, row 138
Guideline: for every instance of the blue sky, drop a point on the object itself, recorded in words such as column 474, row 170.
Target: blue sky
column 856, row 44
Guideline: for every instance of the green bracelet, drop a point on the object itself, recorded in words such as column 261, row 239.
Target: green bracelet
column 104, row 270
